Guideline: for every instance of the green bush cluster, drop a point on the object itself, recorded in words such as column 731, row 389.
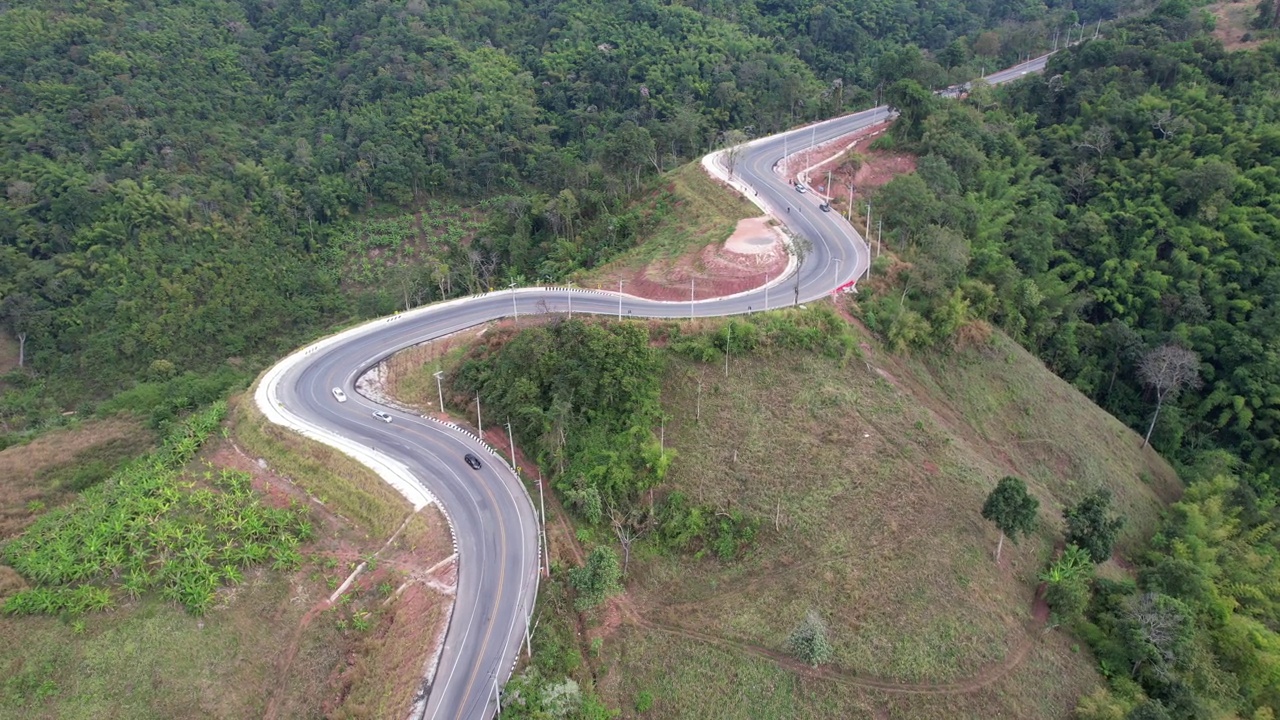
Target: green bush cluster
column 583, row 395
column 597, row 580
column 816, row 329
column 1196, row 635
column 683, row 525
column 809, row 642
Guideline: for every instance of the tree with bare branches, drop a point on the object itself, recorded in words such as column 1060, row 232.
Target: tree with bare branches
column 1079, row 181
column 1167, row 124
column 1167, row 370
column 734, row 143
column 21, row 316
column 799, row 247
column 627, row 527
column 1097, row 139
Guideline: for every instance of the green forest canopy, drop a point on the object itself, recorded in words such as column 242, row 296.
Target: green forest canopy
column 1127, row 199
column 175, row 171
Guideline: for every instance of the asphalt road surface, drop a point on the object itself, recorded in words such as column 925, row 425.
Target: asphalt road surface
column 493, row 517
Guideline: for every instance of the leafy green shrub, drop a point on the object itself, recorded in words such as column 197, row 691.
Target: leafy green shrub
column 808, row 642
column 598, row 579
column 684, row 526
column 162, row 401
column 1067, row 584
column 733, row 533
column 1091, row 526
column 816, row 329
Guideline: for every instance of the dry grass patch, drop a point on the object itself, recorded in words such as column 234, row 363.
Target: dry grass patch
column 691, row 679
column 869, row 480
column 410, row 373
column 152, row 659
column 343, row 485
column 1232, row 26
column 1005, row 405
column 48, row 470
column 686, row 212
column 387, row 670
column 866, row 533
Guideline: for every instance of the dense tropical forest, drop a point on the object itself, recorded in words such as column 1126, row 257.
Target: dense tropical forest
column 1125, row 200
column 1120, row 216
column 192, row 184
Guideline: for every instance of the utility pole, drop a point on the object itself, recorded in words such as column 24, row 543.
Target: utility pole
column 868, row 218
column 619, row 299
column 835, row 283
column 514, row 310
column 1097, row 29
column 570, row 306
column 512, row 441
column 440, row 388
column 690, row 298
column 849, row 211
column 479, row 427
column 879, row 232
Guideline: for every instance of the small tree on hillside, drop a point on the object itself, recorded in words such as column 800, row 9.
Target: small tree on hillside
column 800, row 247
column 809, row 640
column 1091, row 526
column 734, row 143
column 596, row 580
column 1167, row 370
column 1012, row 509
column 21, row 316
column 1067, row 583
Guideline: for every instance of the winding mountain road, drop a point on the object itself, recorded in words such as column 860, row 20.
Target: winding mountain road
column 492, row 517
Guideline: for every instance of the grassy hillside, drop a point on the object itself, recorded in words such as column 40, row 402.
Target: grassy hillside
column 686, row 212
column 50, row 469
column 870, row 479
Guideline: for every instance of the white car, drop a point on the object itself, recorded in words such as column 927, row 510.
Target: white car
column 339, row 395
column 800, row 188
column 382, row 416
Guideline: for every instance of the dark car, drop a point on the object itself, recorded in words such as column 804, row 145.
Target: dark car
column 472, row 460
column 825, row 207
